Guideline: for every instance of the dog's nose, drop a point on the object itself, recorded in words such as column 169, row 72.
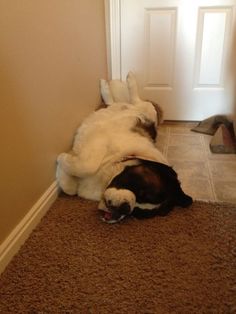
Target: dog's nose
column 124, row 208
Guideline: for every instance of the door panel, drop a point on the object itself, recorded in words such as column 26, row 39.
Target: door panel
column 160, row 29
column 180, row 52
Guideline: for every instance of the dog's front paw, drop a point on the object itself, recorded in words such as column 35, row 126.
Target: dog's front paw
column 130, row 79
column 133, row 88
column 62, row 157
column 105, row 92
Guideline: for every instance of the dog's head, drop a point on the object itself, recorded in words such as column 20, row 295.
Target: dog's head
column 116, row 204
column 145, row 190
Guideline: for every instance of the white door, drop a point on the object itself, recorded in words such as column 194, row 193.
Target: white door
column 181, row 52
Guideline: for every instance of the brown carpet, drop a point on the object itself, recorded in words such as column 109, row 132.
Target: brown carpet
column 75, row 263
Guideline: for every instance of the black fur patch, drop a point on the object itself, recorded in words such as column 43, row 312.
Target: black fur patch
column 152, row 183
column 147, row 128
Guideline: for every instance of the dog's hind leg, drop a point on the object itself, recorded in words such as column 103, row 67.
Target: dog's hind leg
column 74, row 166
column 67, row 183
column 86, row 162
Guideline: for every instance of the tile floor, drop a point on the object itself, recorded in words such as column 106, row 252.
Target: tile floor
column 203, row 175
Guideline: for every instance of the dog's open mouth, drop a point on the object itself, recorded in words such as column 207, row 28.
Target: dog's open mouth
column 109, row 218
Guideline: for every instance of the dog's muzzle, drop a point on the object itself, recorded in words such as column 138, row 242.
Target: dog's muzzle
column 116, row 204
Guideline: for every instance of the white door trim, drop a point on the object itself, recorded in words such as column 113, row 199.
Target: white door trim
column 113, row 37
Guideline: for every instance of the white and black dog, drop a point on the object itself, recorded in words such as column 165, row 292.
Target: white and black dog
column 114, row 160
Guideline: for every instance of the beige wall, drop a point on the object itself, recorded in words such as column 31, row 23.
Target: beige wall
column 52, row 54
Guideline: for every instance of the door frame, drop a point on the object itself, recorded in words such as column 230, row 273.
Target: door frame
column 113, row 37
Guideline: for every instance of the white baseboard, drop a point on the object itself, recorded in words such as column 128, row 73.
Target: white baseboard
column 22, row 231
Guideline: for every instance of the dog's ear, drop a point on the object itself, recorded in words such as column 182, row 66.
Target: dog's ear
column 182, row 199
column 176, row 194
column 159, row 110
column 146, row 128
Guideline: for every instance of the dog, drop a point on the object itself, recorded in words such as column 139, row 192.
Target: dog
column 114, row 160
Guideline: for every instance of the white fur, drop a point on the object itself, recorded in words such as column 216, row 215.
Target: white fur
column 147, row 206
column 101, row 146
column 116, row 91
column 116, row 197
column 106, row 93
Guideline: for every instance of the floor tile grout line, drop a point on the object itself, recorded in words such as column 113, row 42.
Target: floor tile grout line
column 167, row 142
column 211, row 180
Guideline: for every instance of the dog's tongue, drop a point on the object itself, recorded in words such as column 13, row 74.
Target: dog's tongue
column 107, row 216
